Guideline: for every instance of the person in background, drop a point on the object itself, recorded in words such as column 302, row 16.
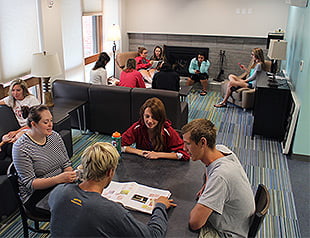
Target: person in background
column 80, row 210
column 19, row 99
column 226, row 203
column 166, row 78
column 157, row 54
column 144, row 66
column 236, row 82
column 40, row 159
column 198, row 69
column 98, row 74
column 153, row 134
column 130, row 77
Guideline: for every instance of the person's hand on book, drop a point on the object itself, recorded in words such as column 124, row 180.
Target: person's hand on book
column 166, row 201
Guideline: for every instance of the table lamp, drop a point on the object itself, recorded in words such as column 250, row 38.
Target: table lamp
column 277, row 51
column 114, row 34
column 45, row 65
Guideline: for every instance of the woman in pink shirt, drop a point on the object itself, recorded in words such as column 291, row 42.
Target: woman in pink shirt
column 130, row 77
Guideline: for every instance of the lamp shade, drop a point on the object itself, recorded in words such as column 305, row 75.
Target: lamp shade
column 277, row 49
column 45, row 65
column 114, row 33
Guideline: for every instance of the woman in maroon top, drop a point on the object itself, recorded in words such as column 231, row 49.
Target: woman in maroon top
column 153, row 134
column 144, row 65
column 130, row 77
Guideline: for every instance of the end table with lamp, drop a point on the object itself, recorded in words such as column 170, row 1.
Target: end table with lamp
column 45, row 66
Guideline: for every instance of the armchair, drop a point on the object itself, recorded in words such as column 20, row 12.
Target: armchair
column 121, row 59
column 243, row 97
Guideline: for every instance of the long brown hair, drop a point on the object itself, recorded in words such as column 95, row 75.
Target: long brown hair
column 159, row 113
column 259, row 54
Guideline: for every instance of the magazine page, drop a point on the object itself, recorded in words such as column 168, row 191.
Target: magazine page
column 119, row 192
column 134, row 196
column 143, row 198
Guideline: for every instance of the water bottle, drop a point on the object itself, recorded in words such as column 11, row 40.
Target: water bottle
column 117, row 141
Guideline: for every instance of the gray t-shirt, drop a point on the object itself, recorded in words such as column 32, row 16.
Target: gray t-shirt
column 228, row 193
column 78, row 213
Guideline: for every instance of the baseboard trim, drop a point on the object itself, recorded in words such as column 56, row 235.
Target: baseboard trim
column 305, row 158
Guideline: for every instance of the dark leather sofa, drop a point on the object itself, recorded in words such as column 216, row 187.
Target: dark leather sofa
column 114, row 108
column 8, row 202
column 8, row 122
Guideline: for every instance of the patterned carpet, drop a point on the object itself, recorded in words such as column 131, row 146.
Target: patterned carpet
column 261, row 158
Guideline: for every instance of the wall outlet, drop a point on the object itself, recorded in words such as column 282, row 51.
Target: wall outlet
column 301, row 65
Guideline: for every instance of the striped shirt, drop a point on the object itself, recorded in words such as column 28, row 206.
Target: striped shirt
column 32, row 160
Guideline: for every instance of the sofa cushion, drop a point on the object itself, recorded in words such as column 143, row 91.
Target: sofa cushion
column 109, row 108
column 8, row 122
column 71, row 90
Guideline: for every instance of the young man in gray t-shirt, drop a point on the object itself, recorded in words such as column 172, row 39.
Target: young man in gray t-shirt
column 226, row 203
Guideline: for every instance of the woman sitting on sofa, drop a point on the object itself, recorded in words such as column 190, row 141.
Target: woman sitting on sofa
column 158, row 54
column 98, row 74
column 144, row 66
column 130, row 77
column 19, row 98
column 153, row 134
column 236, row 82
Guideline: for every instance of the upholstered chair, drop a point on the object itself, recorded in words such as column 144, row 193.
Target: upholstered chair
column 243, row 97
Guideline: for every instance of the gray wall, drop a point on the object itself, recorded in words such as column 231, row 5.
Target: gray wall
column 237, row 49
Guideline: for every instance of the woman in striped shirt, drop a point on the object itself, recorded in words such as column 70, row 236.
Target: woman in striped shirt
column 41, row 159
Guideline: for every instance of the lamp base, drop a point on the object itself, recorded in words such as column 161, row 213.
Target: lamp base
column 47, row 95
column 48, row 100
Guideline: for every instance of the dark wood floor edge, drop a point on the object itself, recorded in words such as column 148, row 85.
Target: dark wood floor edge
column 305, row 158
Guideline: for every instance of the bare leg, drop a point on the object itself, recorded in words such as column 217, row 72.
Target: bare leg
column 146, row 75
column 152, row 72
column 232, row 77
column 204, row 84
column 189, row 82
column 232, row 83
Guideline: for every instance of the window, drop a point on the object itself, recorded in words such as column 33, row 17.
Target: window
column 92, row 37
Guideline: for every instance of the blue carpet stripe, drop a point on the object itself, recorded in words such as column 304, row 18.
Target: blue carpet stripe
column 261, row 158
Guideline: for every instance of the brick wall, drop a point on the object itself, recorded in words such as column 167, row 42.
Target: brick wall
column 237, row 49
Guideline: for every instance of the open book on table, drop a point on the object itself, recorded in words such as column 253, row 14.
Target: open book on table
column 133, row 195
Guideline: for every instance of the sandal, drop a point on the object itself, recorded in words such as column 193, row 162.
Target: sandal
column 203, row 93
column 220, row 105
